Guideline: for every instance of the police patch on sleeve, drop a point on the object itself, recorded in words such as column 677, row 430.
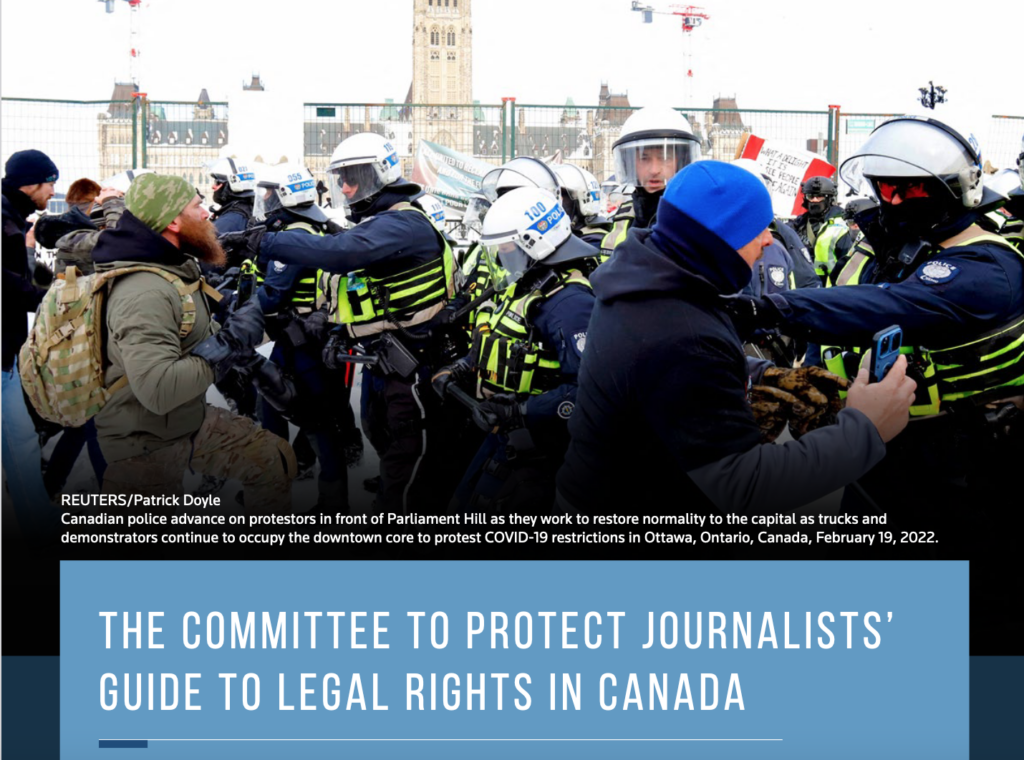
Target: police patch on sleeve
column 280, row 266
column 581, row 341
column 937, row 272
column 777, row 275
column 565, row 409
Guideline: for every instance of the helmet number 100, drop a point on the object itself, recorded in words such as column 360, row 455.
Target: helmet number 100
column 535, row 212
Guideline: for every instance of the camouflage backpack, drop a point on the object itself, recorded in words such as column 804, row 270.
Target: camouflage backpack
column 62, row 362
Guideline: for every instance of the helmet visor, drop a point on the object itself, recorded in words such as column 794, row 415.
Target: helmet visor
column 266, row 200
column 473, row 219
column 506, row 262
column 650, row 163
column 352, row 183
column 518, row 173
column 884, row 178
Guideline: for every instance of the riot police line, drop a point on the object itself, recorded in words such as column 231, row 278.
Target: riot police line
column 475, row 391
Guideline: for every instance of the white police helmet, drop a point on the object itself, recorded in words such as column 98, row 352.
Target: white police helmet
column 524, row 226
column 655, row 143
column 123, row 180
column 521, row 171
column 287, row 185
column 433, row 208
column 582, row 187
column 238, row 175
column 366, row 163
column 917, row 148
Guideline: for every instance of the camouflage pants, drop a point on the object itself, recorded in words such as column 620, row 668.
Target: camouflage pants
column 226, row 445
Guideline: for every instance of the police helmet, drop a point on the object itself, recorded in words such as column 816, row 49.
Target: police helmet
column 239, row 177
column 522, row 171
column 857, row 206
column 918, row 155
column 525, row 226
column 366, row 163
column 289, row 186
column 582, row 188
column 655, row 143
column 433, row 208
column 123, row 180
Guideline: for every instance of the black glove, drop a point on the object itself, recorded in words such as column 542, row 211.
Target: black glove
column 225, row 280
column 316, row 325
column 235, row 342
column 336, row 343
column 456, row 373
column 502, row 411
column 749, row 313
column 276, row 387
column 242, row 245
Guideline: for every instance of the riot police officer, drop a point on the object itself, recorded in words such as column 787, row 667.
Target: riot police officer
column 581, row 199
column 821, row 227
column 233, row 182
column 958, row 294
column 395, row 275
column 655, row 144
column 285, row 200
column 525, row 354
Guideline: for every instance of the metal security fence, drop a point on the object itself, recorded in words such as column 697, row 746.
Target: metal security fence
column 1002, row 145
column 585, row 135
column 183, row 137
column 476, row 130
column 102, row 137
column 93, row 138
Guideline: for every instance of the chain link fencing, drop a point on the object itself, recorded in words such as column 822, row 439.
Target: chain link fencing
column 100, row 138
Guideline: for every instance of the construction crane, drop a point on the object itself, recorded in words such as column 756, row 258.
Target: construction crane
column 692, row 17
column 134, row 5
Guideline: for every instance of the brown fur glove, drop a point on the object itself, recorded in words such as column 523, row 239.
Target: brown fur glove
column 817, row 388
column 773, row 408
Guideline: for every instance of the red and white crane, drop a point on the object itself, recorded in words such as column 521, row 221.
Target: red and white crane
column 692, row 17
column 135, row 6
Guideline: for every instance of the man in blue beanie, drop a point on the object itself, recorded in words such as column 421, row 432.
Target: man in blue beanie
column 664, row 383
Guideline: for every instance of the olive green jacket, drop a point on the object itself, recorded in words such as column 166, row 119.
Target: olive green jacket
column 164, row 400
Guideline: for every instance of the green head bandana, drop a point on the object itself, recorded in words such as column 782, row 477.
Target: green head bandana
column 156, row 199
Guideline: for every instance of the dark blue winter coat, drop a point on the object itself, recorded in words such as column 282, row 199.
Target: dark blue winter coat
column 662, row 399
column 663, row 383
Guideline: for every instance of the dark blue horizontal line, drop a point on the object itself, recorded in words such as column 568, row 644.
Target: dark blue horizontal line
column 124, row 744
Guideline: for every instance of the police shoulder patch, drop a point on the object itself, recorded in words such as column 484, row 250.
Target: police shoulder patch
column 937, row 272
column 581, row 341
column 777, row 275
column 565, row 409
column 280, row 266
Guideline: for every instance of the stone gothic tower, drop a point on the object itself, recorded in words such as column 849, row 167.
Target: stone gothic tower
column 442, row 52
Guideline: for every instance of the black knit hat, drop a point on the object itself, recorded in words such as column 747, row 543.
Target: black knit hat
column 29, row 167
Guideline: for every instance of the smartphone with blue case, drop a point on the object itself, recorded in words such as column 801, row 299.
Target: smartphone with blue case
column 885, row 349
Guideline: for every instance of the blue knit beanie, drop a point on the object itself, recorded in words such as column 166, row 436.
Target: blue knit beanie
column 727, row 201
column 29, row 167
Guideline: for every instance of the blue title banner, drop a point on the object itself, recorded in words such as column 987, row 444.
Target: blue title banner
column 504, row 659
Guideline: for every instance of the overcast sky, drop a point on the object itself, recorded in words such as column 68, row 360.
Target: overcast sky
column 864, row 55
